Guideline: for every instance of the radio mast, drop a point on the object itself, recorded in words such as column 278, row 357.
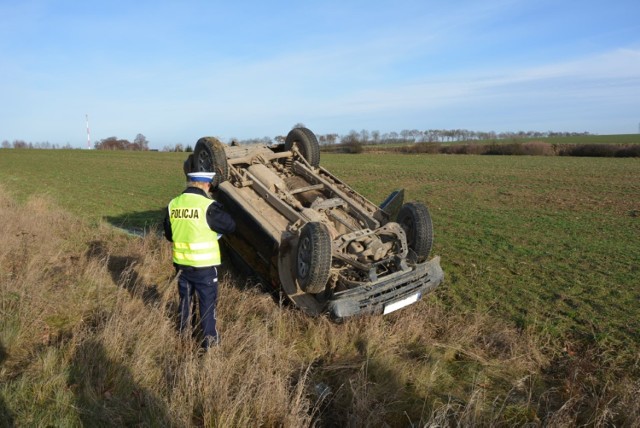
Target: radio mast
column 88, row 134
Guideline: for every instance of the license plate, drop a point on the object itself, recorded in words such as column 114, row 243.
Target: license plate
column 401, row 303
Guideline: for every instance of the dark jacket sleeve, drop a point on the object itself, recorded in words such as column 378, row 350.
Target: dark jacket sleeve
column 167, row 226
column 219, row 220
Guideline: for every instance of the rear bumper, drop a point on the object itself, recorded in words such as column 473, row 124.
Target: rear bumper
column 373, row 298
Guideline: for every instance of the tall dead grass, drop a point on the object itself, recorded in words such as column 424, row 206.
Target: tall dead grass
column 89, row 338
column 88, row 335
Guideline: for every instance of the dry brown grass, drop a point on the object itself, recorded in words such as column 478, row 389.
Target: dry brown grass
column 88, row 338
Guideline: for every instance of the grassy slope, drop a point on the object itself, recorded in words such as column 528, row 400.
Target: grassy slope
column 531, row 246
column 87, row 335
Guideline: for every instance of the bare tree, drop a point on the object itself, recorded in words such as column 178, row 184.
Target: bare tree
column 375, row 137
column 364, row 136
column 331, row 138
column 416, row 135
column 141, row 142
column 351, row 142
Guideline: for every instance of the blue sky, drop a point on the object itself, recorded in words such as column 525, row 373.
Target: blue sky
column 179, row 70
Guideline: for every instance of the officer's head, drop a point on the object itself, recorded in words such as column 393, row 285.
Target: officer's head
column 201, row 180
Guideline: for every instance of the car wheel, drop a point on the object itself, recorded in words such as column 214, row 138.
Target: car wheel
column 415, row 219
column 313, row 257
column 209, row 156
column 307, row 144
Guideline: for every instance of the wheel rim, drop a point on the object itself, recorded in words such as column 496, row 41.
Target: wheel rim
column 205, row 163
column 407, row 225
column 304, row 257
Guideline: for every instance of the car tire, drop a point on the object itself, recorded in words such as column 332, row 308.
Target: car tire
column 209, row 156
column 313, row 258
column 307, row 144
column 415, row 219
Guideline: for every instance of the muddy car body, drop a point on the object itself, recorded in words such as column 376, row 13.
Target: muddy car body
column 307, row 233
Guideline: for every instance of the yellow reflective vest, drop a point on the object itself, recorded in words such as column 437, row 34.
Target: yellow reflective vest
column 194, row 243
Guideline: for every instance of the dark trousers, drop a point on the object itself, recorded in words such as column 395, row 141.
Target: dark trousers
column 205, row 283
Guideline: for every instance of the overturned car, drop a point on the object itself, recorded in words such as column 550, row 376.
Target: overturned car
column 307, row 233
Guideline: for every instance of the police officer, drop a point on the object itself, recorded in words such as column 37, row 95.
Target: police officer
column 194, row 222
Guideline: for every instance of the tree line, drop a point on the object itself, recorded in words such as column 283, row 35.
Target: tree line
column 408, row 136
column 436, row 136
column 353, row 139
column 140, row 143
column 21, row 144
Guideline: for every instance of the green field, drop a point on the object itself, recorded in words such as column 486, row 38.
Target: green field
column 588, row 139
column 549, row 241
column 536, row 240
column 125, row 188
column 546, row 246
column 575, row 139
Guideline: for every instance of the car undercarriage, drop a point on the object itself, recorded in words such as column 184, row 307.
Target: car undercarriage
column 311, row 235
